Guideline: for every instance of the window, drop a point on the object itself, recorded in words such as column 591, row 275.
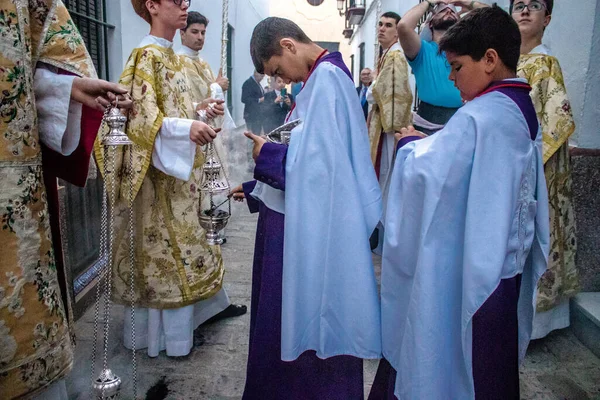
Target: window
column 361, row 60
column 90, row 18
column 230, row 67
column 331, row 47
column 352, row 65
column 80, row 208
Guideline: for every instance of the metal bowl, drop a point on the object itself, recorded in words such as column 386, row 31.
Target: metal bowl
column 283, row 134
column 213, row 222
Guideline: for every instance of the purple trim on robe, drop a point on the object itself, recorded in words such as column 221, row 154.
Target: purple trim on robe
column 495, row 349
column 496, row 344
column 270, row 165
column 336, row 59
column 253, row 204
column 406, row 140
column 521, row 97
column 384, row 383
column 267, row 376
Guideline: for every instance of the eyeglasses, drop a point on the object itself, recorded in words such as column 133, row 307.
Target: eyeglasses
column 180, row 2
column 534, row 6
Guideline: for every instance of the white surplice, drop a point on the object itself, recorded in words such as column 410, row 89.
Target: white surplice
column 171, row 330
column 468, row 207
column 332, row 203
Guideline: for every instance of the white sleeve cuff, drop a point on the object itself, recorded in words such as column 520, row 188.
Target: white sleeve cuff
column 370, row 97
column 59, row 117
column 174, row 152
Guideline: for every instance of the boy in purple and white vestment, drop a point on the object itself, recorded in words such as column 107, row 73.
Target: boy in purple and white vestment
column 466, row 230
column 315, row 310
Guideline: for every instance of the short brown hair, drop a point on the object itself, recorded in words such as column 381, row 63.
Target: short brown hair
column 140, row 9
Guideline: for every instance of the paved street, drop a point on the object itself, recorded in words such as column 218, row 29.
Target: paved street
column 559, row 367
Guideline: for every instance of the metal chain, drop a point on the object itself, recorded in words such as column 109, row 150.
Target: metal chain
column 103, row 264
column 225, row 175
column 131, row 276
column 224, row 38
column 108, row 275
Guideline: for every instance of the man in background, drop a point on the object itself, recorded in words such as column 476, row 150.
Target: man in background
column 277, row 105
column 204, row 86
column 439, row 98
column 253, row 96
column 391, row 98
column 365, row 81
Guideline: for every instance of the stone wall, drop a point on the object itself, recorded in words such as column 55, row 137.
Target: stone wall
column 586, row 191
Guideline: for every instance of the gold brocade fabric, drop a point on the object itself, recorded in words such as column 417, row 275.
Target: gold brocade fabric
column 200, row 78
column 35, row 344
column 561, row 280
column 174, row 265
column 393, row 98
column 549, row 96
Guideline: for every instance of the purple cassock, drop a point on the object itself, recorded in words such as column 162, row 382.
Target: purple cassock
column 268, row 377
column 495, row 328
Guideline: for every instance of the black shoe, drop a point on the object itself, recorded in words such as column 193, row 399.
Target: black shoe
column 234, row 310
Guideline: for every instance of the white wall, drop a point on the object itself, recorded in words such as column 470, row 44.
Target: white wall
column 320, row 23
column 367, row 31
column 573, row 36
column 243, row 17
column 130, row 29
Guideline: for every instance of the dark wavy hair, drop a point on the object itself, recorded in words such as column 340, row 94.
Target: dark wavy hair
column 266, row 37
column 482, row 29
column 194, row 17
column 391, row 14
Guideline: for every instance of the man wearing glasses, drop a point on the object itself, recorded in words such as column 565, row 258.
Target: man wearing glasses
column 439, row 99
column 549, row 95
column 175, row 267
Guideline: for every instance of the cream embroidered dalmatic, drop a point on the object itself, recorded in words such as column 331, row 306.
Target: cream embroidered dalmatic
column 35, row 344
column 174, row 265
column 200, row 78
column 549, row 95
column 393, row 98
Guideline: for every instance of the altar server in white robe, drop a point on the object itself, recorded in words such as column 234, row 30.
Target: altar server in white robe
column 315, row 307
column 466, row 230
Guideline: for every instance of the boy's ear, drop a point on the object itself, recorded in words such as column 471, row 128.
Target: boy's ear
column 492, row 59
column 151, row 6
column 547, row 20
column 288, row 44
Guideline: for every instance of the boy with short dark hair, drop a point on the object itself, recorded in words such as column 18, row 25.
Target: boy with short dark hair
column 467, row 230
column 315, row 309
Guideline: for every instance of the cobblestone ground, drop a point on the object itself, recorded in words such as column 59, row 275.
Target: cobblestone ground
column 557, row 368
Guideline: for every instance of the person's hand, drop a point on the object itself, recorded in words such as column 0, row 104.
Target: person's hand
column 202, row 134
column 261, row 99
column 288, row 101
column 222, row 81
column 466, row 5
column 237, row 193
column 213, row 107
column 409, row 132
column 100, row 94
column 278, row 99
column 258, row 143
